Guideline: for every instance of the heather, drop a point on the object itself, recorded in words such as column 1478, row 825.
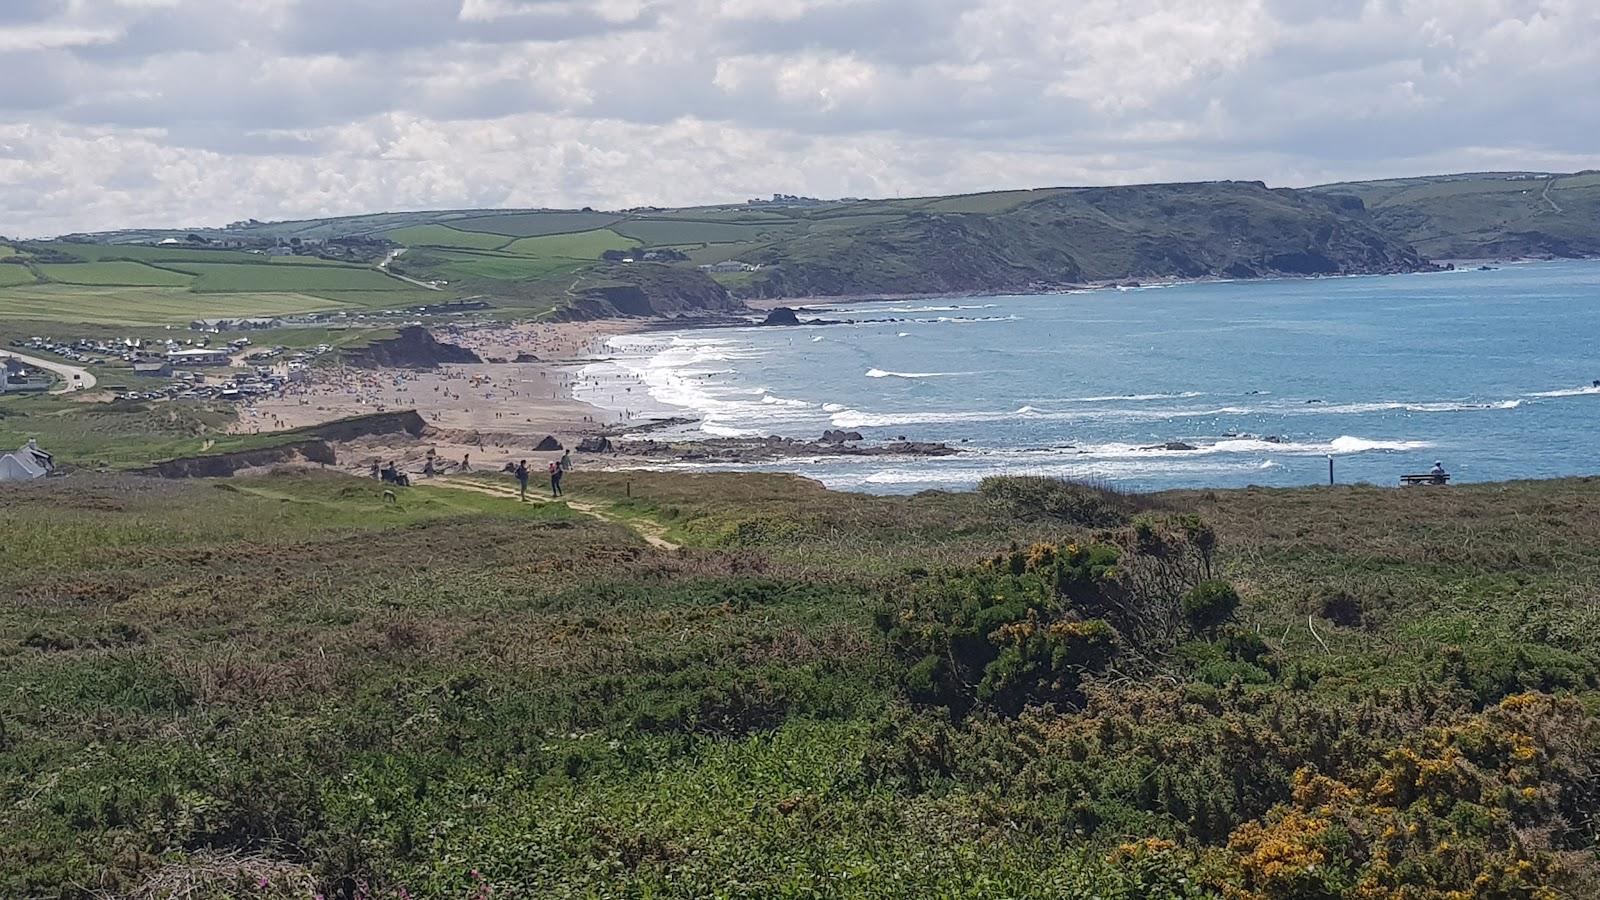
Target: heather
column 283, row 686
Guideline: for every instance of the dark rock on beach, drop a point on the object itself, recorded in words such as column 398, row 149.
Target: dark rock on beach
column 835, row 436
column 549, row 443
column 413, row 348
column 783, row 315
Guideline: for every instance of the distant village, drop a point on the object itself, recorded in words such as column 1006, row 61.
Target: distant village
column 353, row 248
column 250, row 373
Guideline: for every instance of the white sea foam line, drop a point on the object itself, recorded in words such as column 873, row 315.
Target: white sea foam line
column 1570, row 392
column 1112, row 398
column 872, row 310
column 880, row 373
column 1342, row 445
column 853, row 418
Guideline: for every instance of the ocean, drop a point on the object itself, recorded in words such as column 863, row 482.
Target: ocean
column 1490, row 372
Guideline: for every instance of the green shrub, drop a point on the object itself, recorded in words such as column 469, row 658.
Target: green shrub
column 1072, row 502
column 1209, row 604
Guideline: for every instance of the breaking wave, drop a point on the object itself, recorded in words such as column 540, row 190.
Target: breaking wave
column 1570, row 392
column 880, row 373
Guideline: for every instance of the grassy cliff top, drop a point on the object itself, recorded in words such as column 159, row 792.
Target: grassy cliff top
column 266, row 686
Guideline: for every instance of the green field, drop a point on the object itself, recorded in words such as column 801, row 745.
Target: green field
column 668, row 232
column 149, row 254
column 535, row 224
column 145, row 306
column 281, row 686
column 6, row 250
column 114, row 273
column 460, row 266
column 13, row 275
column 290, row 278
column 586, row 245
column 444, row 236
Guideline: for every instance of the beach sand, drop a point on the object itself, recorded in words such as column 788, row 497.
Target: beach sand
column 494, row 411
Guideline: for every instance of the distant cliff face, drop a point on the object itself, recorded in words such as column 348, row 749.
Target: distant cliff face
column 1486, row 215
column 650, row 291
column 412, row 348
column 1227, row 229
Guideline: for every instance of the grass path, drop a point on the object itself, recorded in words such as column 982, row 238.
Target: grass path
column 652, row 532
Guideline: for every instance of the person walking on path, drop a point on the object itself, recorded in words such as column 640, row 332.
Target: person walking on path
column 522, row 478
column 555, row 479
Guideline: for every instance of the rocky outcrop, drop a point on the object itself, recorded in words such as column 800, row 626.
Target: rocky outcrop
column 403, row 422
column 647, row 290
column 548, row 444
column 221, row 465
column 413, row 348
column 783, row 315
column 837, row 436
column 594, row 445
column 313, row 444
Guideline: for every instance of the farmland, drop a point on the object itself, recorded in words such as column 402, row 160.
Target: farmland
column 130, row 274
column 280, row 685
column 74, row 304
column 444, row 236
column 161, row 285
column 234, row 278
column 15, row 275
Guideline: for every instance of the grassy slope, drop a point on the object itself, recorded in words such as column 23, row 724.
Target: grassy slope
column 70, row 306
column 124, row 435
column 150, row 285
column 13, row 275
column 1487, row 215
column 291, row 668
column 130, row 274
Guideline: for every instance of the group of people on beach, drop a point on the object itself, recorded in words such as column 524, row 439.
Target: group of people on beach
column 558, row 468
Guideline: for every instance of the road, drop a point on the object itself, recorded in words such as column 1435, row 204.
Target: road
column 73, row 378
column 1546, row 197
column 394, row 255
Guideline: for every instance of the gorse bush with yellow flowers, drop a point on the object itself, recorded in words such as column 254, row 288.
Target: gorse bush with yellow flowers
column 1027, row 626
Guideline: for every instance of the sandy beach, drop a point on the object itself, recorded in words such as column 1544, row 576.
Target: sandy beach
column 489, row 413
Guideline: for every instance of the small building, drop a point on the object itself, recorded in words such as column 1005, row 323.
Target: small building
column 28, row 463
column 198, row 356
column 728, row 265
column 158, row 368
column 16, row 378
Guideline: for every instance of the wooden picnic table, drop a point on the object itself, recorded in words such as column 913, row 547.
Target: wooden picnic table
column 1425, row 478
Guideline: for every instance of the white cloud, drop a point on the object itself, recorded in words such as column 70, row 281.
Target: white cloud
column 123, row 112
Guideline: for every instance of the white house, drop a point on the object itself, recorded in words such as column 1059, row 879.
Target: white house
column 28, row 463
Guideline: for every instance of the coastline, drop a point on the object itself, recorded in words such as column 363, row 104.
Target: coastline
column 527, row 389
column 767, row 304
column 492, row 412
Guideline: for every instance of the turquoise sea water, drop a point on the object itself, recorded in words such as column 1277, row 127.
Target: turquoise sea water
column 1489, row 371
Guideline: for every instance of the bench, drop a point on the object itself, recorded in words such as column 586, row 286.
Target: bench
column 1425, row 478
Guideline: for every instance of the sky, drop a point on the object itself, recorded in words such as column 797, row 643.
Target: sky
column 176, row 113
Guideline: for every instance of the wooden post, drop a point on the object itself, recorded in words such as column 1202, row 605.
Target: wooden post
column 1330, row 469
